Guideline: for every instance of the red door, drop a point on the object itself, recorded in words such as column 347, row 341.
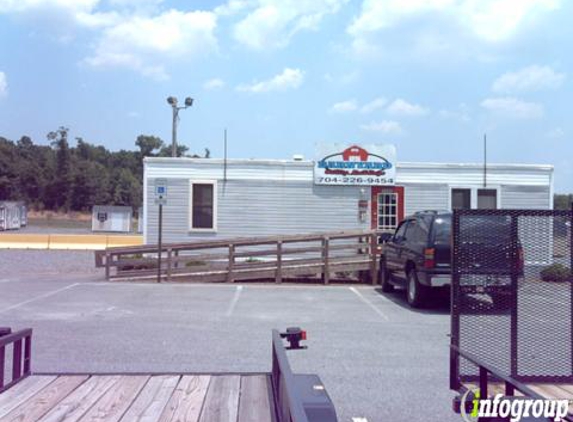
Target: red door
column 387, row 207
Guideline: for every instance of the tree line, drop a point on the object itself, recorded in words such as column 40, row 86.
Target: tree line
column 562, row 201
column 61, row 177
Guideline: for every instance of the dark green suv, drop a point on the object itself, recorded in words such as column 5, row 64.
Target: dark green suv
column 417, row 255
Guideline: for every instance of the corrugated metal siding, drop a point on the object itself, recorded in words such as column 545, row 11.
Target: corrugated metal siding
column 472, row 175
column 259, row 208
column 422, row 197
column 538, row 247
column 526, row 197
column 279, row 197
column 406, row 173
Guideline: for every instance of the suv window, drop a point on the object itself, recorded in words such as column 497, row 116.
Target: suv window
column 401, row 232
column 442, row 228
column 416, row 232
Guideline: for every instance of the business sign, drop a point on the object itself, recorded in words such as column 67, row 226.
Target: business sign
column 368, row 165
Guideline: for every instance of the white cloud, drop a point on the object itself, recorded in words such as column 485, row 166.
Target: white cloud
column 215, row 83
column 513, row 107
column 272, row 23
column 344, row 106
column 232, row 7
column 556, row 133
column 288, row 79
column 374, row 105
column 3, row 85
column 133, row 34
column 461, row 113
column 22, row 6
column 342, row 79
column 489, row 20
column 531, row 78
column 385, row 126
column 140, row 42
column 400, row 107
column 145, row 5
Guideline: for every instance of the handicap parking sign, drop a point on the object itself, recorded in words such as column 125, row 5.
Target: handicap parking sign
column 160, row 189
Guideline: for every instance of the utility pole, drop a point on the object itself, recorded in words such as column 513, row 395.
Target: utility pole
column 225, row 158
column 174, row 132
column 484, row 160
column 172, row 101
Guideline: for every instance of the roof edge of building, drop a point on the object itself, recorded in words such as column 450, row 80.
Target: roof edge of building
column 308, row 163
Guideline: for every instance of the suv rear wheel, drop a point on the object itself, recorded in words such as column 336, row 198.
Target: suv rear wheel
column 416, row 292
column 385, row 277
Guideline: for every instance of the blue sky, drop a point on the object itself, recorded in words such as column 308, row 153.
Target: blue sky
column 430, row 76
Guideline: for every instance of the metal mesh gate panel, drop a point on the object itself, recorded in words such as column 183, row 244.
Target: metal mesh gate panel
column 512, row 293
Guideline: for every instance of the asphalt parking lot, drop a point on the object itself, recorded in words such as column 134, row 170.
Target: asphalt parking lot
column 378, row 359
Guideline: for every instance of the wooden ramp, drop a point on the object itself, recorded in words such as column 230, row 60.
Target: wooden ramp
column 323, row 256
column 129, row 398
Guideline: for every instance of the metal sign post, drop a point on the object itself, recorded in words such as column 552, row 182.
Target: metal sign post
column 160, row 199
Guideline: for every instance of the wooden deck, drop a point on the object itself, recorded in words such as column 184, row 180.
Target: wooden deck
column 149, row 398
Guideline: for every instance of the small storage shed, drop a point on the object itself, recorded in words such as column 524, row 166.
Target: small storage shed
column 111, row 218
column 13, row 215
column 140, row 220
column 23, row 214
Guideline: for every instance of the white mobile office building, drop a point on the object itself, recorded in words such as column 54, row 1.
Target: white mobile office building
column 214, row 198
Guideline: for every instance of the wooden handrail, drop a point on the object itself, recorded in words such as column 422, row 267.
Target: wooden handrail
column 243, row 241
column 21, row 365
column 238, row 254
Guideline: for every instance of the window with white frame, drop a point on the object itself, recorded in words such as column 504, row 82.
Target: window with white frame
column 487, row 199
column 387, row 210
column 461, row 199
column 203, row 205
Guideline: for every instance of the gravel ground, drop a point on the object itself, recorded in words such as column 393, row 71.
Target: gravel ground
column 19, row 262
column 56, row 227
column 42, row 226
column 53, row 230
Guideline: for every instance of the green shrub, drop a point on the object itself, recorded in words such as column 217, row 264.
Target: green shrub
column 556, row 273
column 150, row 263
column 195, row 263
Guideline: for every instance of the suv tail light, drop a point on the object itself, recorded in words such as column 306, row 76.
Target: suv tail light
column 429, row 258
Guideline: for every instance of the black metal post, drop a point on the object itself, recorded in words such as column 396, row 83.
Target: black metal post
column 483, row 383
column 454, row 311
column 160, row 229
column 571, row 280
column 514, row 294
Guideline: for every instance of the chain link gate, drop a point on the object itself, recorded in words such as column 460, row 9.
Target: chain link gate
column 512, row 295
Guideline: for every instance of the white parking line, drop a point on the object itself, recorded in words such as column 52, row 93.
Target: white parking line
column 45, row 295
column 359, row 419
column 234, row 301
column 370, row 304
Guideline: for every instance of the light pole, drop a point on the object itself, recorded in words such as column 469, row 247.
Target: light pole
column 172, row 101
